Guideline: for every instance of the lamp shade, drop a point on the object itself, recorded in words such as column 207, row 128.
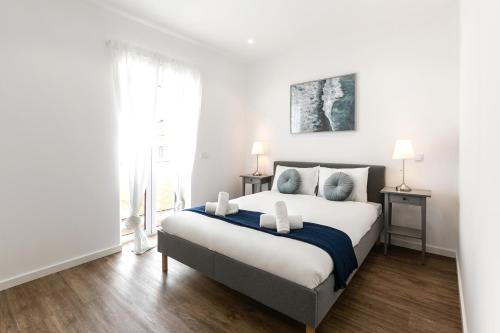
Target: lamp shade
column 257, row 148
column 403, row 150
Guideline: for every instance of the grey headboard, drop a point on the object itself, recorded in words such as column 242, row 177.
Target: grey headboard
column 376, row 175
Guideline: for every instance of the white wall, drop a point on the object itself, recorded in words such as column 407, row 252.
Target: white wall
column 59, row 197
column 407, row 87
column 479, row 247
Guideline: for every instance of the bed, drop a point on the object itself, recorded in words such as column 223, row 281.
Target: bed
column 292, row 277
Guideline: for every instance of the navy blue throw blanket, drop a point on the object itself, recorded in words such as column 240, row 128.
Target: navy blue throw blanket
column 335, row 242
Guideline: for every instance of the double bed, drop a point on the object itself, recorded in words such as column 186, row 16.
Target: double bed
column 290, row 276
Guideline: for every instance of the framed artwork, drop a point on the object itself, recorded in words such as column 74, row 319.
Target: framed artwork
column 326, row 105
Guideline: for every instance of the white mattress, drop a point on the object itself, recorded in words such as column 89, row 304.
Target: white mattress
column 296, row 261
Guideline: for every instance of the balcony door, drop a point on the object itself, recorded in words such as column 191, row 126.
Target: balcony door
column 159, row 197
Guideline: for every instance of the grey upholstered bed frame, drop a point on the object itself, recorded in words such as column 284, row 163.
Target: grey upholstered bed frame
column 305, row 305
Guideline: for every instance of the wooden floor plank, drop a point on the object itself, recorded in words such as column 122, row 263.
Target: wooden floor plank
column 7, row 322
column 129, row 293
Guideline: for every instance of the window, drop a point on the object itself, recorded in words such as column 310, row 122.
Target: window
column 160, row 193
column 158, row 100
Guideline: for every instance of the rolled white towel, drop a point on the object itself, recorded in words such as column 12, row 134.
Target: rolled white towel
column 222, row 204
column 282, row 222
column 269, row 221
column 211, row 207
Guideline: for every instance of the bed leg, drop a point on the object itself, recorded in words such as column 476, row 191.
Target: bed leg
column 310, row 329
column 164, row 263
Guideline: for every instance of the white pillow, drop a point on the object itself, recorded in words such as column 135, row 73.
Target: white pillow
column 359, row 176
column 308, row 179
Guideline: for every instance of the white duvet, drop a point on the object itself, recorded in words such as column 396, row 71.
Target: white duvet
column 296, row 261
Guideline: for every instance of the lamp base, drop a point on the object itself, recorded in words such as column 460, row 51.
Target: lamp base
column 403, row 188
column 256, row 173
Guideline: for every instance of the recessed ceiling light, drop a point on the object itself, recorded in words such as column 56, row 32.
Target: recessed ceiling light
column 250, row 41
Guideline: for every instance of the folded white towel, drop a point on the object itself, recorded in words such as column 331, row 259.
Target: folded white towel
column 222, row 204
column 269, row 221
column 282, row 222
column 211, row 207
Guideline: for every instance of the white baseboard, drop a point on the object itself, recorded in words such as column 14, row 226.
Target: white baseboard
column 416, row 245
column 461, row 295
column 41, row 272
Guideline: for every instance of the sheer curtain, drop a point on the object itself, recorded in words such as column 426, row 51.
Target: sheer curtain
column 137, row 76
column 182, row 94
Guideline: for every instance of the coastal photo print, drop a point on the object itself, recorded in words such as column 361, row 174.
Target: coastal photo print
column 324, row 105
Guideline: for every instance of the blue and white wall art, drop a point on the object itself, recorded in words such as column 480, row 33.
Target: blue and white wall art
column 324, row 105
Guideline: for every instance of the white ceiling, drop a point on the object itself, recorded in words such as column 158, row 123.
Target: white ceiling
column 275, row 25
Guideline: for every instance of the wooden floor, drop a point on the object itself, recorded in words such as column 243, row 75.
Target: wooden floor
column 128, row 293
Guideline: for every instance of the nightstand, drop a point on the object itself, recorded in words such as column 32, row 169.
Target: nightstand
column 256, row 181
column 416, row 198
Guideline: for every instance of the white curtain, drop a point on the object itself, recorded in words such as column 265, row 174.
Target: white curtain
column 141, row 80
column 181, row 88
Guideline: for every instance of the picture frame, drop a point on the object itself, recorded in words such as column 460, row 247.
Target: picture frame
column 325, row 105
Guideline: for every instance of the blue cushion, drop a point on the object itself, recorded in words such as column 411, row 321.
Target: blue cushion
column 338, row 186
column 289, row 181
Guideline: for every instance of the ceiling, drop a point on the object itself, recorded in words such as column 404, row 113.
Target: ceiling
column 274, row 25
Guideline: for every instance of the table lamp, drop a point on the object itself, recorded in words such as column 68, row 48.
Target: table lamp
column 257, row 149
column 403, row 150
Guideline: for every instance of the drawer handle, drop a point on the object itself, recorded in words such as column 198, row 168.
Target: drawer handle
column 404, row 198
